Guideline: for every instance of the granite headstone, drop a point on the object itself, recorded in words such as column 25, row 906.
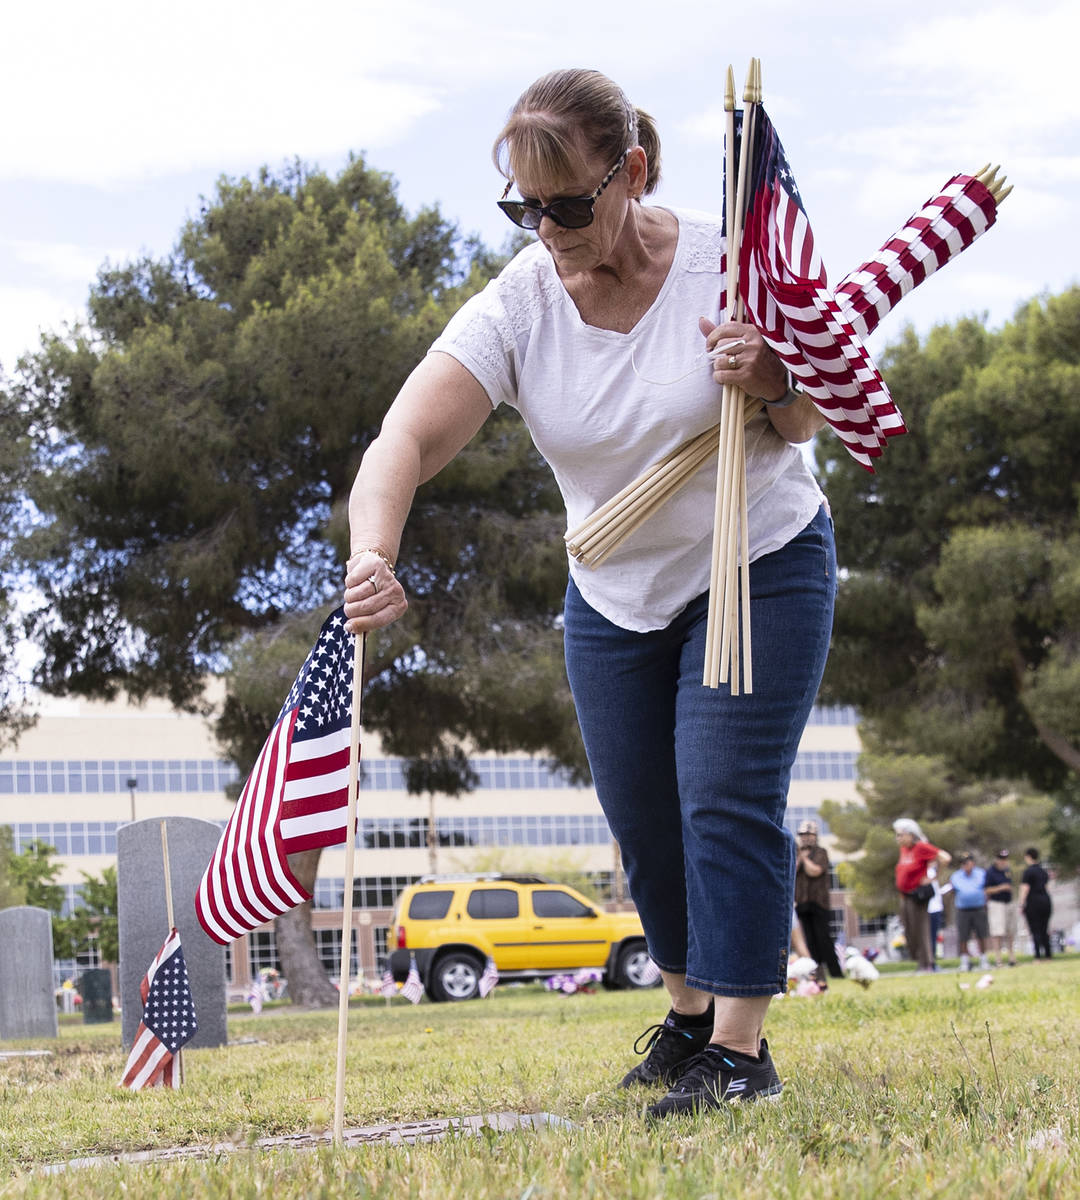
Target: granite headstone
column 27, row 1002
column 144, row 925
column 95, row 988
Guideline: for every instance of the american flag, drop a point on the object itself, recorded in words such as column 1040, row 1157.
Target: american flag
column 650, row 973
column 784, row 286
column 388, row 987
column 168, row 1021
column 489, row 978
column 946, row 224
column 296, row 797
column 413, row 988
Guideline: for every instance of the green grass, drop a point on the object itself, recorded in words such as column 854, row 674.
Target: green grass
column 913, row 1088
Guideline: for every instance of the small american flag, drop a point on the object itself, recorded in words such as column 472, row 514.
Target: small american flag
column 650, row 973
column 489, row 978
column 168, row 1021
column 388, row 987
column 783, row 284
column 413, row 988
column 296, row 797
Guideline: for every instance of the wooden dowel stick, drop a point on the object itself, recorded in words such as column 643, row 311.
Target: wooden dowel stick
column 591, row 531
column 359, row 648
column 168, row 877
column 622, row 529
column 170, row 915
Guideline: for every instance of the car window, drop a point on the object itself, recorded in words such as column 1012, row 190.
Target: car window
column 430, row 906
column 558, row 904
column 493, row 903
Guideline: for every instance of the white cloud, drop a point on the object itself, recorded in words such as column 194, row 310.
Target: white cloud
column 62, row 261
column 27, row 312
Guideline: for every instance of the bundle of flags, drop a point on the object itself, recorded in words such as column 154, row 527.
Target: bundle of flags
column 168, row 1021
column 296, row 797
column 817, row 332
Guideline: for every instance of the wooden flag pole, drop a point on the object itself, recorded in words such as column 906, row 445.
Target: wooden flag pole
column 712, row 666
column 359, row 648
column 169, row 915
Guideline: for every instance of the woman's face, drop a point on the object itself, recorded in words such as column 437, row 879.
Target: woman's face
column 905, row 839
column 577, row 250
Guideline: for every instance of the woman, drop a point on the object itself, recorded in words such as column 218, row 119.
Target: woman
column 692, row 780
column 1035, row 902
column 917, row 855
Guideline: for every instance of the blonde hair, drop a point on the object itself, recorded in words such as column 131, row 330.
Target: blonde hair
column 538, row 137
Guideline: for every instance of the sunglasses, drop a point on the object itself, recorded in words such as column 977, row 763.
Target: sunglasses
column 574, row 212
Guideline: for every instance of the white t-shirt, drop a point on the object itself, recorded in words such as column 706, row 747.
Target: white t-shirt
column 599, row 421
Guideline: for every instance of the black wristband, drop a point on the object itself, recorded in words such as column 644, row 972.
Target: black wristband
column 787, row 399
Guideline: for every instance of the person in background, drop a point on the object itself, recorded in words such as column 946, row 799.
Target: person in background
column 812, row 901
column 1035, row 902
column 799, row 948
column 969, row 885
column 615, row 294
column 916, row 855
column 1001, row 908
column 935, row 910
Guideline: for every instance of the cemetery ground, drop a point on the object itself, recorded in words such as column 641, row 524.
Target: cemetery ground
column 919, row 1086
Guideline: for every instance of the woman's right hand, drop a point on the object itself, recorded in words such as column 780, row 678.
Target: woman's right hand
column 373, row 596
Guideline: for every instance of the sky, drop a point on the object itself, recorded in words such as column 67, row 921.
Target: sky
column 120, row 116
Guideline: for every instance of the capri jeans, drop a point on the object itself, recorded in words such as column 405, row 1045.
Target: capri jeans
column 693, row 781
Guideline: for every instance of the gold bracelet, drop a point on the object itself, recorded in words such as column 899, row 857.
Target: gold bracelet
column 378, row 554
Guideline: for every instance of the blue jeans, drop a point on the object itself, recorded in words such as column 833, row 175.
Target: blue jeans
column 693, row 781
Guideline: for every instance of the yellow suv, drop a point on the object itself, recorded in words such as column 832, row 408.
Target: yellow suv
column 529, row 926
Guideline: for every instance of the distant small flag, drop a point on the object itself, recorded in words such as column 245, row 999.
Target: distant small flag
column 388, row 987
column 255, row 996
column 650, row 973
column 168, row 1021
column 413, row 989
column 489, row 978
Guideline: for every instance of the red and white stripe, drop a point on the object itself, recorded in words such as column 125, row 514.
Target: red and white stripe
column 946, row 224
column 248, row 881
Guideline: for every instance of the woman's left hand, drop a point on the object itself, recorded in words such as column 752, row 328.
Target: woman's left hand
column 752, row 366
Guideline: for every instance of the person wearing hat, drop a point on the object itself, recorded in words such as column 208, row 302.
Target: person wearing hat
column 1001, row 907
column 812, row 901
column 969, row 887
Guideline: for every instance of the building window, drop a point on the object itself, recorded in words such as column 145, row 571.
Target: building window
column 263, row 951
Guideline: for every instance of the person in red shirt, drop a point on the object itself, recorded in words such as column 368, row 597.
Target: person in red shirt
column 916, row 854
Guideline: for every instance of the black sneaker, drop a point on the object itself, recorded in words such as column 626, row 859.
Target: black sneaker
column 668, row 1047
column 717, row 1076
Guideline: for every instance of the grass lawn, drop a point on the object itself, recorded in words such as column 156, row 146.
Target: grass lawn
column 917, row 1087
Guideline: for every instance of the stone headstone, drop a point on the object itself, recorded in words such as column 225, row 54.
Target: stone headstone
column 27, row 1002
column 95, row 987
column 144, row 925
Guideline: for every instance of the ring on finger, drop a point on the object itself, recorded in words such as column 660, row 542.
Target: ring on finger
column 732, row 361
column 374, row 583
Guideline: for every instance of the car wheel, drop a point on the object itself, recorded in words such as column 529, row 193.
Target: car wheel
column 456, row 977
column 634, row 969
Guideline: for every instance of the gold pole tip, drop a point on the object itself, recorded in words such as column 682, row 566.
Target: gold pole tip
column 748, row 90
column 729, row 91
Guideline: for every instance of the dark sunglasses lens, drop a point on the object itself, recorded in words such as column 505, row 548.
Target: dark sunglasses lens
column 519, row 213
column 571, row 214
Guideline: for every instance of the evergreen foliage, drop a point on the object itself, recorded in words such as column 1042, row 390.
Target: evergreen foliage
column 957, row 632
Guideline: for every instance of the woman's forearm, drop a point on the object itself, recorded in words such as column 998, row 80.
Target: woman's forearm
column 798, row 422
column 382, row 494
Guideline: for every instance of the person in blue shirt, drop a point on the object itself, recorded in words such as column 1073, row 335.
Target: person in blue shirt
column 969, row 888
